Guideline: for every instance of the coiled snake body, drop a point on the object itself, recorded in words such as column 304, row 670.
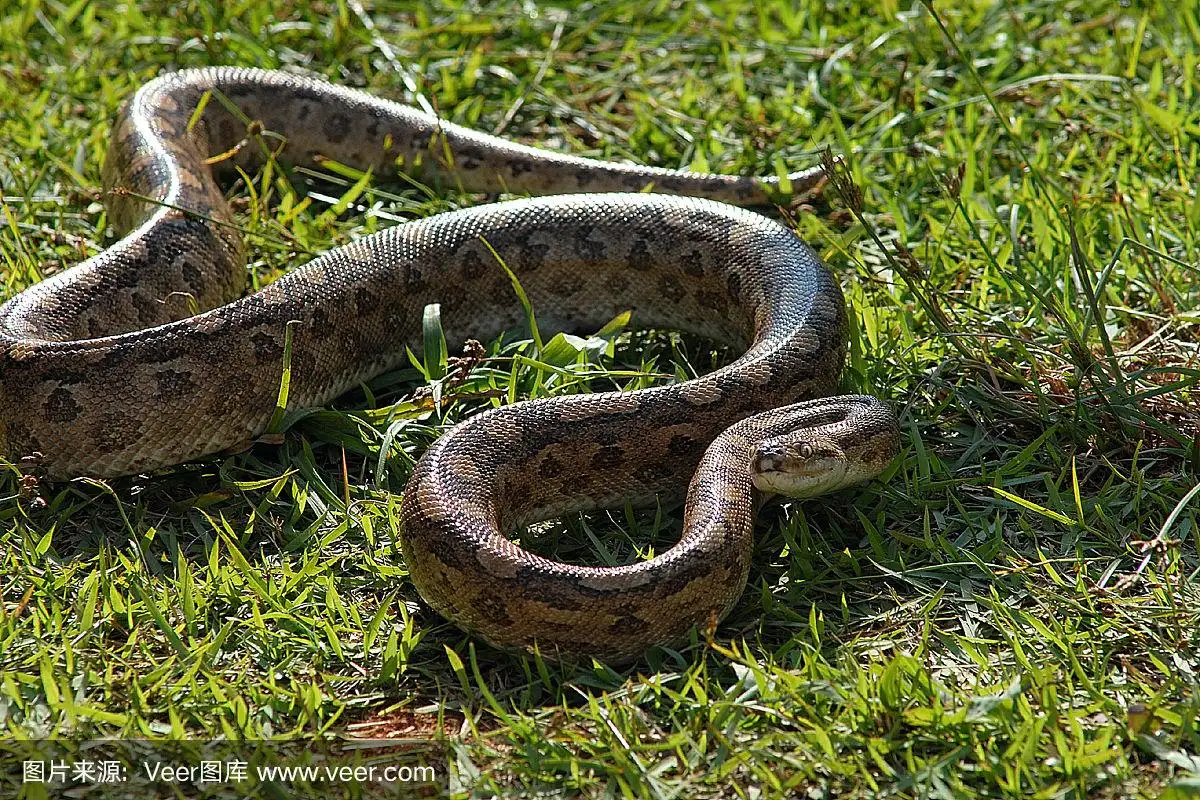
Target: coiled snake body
column 107, row 369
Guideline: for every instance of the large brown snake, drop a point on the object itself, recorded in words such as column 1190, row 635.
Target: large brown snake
column 107, row 369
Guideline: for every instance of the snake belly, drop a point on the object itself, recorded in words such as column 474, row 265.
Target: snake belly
column 108, row 370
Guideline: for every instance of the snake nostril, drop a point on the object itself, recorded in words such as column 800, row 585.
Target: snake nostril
column 769, row 458
column 763, row 464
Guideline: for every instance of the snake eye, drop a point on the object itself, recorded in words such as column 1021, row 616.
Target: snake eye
column 805, row 450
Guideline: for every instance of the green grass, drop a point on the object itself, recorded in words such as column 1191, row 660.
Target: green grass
column 1013, row 613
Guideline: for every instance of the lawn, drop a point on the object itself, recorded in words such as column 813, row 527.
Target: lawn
column 1012, row 611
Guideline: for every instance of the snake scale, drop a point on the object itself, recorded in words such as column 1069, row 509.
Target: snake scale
column 109, row 370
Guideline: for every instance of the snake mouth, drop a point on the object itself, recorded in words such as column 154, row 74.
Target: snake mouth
column 795, row 472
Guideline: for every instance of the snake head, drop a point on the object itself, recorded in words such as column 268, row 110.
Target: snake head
column 800, row 468
column 828, row 445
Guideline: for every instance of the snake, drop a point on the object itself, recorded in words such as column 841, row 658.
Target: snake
column 151, row 353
